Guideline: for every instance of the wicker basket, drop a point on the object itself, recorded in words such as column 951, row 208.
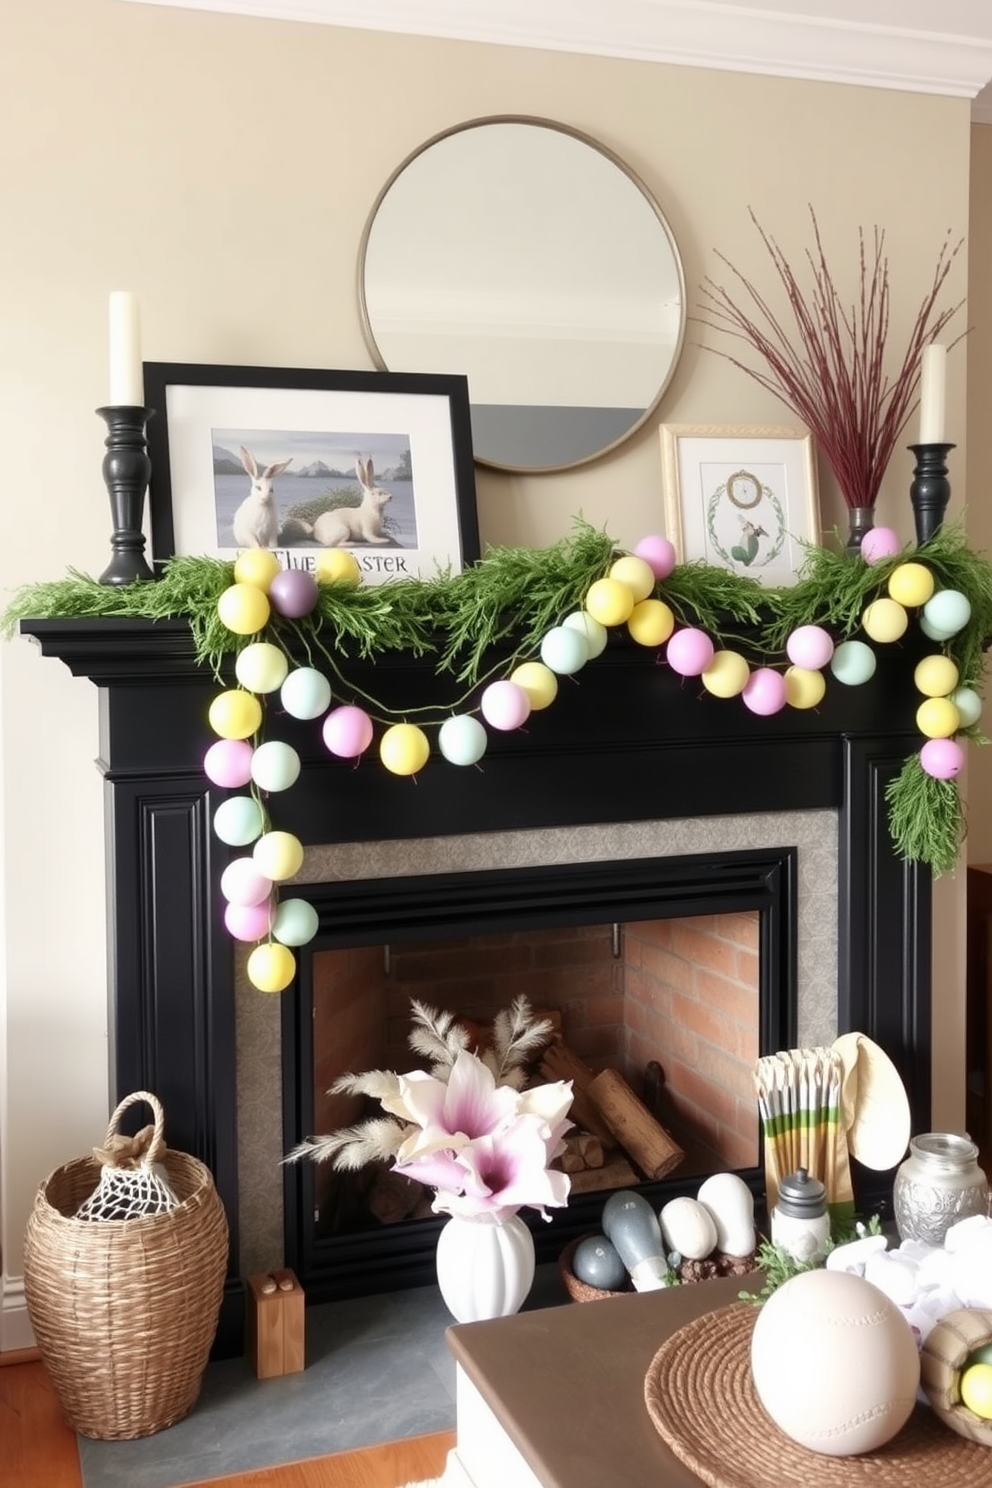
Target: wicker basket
column 942, row 1358
column 125, row 1311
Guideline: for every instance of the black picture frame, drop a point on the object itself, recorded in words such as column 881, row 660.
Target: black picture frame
column 419, row 512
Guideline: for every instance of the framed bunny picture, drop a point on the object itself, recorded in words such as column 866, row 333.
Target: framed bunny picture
column 297, row 459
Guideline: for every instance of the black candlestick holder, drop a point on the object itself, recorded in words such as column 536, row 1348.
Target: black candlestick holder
column 930, row 490
column 126, row 473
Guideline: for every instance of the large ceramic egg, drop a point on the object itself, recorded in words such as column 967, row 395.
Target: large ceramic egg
column 835, row 1363
column 731, row 1203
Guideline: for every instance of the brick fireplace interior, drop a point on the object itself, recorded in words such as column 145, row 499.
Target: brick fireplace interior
column 586, row 799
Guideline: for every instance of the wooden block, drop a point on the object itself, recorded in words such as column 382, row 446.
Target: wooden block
column 275, row 1340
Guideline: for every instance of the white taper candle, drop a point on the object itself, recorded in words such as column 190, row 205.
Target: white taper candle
column 126, row 378
column 933, row 377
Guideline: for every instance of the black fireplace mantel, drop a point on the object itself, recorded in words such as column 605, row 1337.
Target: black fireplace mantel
column 626, row 740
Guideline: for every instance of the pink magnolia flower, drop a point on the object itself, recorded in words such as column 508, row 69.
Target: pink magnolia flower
column 484, row 1147
column 494, row 1174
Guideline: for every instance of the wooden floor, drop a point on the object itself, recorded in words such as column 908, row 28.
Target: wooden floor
column 38, row 1450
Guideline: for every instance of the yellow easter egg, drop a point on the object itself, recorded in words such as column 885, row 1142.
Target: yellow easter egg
column 651, row 622
column 538, row 682
column 235, row 714
column 404, row 749
column 278, row 855
column 804, row 688
column 271, row 967
column 244, row 608
column 976, row 1389
column 938, row 718
column 636, row 574
column 936, row 676
column 337, row 566
column 727, row 674
column 256, row 566
column 609, row 601
column 885, row 620
column 911, row 584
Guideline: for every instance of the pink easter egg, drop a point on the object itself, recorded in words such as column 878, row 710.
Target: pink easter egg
column 293, row 593
column 248, row 921
column 942, row 758
column 811, row 647
column 347, row 731
column 658, row 553
column 689, row 652
column 505, row 705
column 765, row 692
column 241, row 883
column 879, row 543
column 228, row 763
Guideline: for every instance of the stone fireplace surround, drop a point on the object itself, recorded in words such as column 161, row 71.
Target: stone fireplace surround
column 629, row 753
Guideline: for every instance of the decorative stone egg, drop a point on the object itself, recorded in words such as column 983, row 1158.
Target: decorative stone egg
column 731, row 1204
column 597, row 1262
column 834, row 1363
column 688, row 1227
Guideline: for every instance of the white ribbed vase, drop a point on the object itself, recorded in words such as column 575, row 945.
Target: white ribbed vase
column 485, row 1266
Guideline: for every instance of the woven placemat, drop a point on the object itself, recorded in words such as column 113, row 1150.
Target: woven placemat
column 701, row 1398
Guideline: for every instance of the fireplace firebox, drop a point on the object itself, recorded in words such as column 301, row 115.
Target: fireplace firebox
column 627, row 741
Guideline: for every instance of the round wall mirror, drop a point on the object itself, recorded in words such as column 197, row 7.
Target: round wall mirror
column 526, row 256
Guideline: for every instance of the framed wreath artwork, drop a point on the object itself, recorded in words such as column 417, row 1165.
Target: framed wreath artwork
column 742, row 498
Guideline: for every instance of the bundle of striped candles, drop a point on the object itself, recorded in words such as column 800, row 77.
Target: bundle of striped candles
column 799, row 1103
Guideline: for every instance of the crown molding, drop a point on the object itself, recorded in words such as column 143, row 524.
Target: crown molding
column 869, row 43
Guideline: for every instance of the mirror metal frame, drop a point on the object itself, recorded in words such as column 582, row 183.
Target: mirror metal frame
column 577, row 134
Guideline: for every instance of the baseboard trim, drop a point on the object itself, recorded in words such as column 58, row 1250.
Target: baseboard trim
column 16, row 1333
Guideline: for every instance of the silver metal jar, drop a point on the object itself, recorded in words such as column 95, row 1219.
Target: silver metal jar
column 939, row 1183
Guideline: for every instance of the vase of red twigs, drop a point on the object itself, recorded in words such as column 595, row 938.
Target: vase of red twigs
column 826, row 354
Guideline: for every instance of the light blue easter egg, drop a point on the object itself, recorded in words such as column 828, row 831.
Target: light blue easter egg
column 564, row 650
column 948, row 610
column 275, row 766
column 853, row 663
column 238, row 821
column 296, row 922
column 306, row 693
column 934, row 632
column 596, row 634
column 969, row 706
column 462, row 740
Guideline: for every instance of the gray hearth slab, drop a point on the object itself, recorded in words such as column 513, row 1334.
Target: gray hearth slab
column 378, row 1369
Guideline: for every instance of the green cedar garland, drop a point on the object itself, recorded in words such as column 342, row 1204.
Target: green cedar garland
column 481, row 623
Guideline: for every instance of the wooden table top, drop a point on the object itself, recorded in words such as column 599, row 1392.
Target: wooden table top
column 567, row 1383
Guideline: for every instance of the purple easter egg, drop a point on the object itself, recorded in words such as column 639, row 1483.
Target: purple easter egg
column 505, row 705
column 879, row 543
column 348, row 731
column 228, row 763
column 658, row 553
column 293, row 593
column 765, row 692
column 810, row 646
column 689, row 652
column 942, row 758
column 248, row 921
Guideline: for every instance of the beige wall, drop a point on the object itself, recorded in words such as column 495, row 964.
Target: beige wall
column 979, row 514
column 223, row 168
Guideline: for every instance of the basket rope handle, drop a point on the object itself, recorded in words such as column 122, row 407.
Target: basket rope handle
column 156, row 1148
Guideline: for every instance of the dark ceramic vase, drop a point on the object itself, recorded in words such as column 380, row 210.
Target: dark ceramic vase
column 862, row 520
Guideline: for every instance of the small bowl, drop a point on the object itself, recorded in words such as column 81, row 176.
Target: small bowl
column 689, row 1272
column 942, row 1357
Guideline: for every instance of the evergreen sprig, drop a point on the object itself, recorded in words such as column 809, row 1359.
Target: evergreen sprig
column 482, row 622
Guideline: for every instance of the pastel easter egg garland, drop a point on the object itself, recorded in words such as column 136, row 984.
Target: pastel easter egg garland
column 263, row 596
